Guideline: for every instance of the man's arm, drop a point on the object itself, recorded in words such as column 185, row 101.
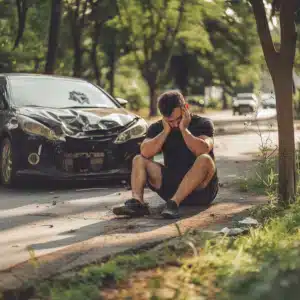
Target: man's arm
column 198, row 145
column 151, row 147
column 155, row 140
column 201, row 144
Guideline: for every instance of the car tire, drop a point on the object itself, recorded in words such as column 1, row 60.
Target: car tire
column 7, row 164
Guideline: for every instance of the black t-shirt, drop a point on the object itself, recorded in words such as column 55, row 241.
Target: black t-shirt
column 176, row 154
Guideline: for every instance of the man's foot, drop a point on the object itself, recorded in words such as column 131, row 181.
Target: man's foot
column 133, row 208
column 171, row 210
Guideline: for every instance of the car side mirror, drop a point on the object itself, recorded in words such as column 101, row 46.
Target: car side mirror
column 122, row 101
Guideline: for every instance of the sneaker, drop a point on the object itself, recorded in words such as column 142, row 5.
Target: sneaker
column 171, row 210
column 133, row 208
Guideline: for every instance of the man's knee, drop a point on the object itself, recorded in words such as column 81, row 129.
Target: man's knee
column 139, row 160
column 205, row 160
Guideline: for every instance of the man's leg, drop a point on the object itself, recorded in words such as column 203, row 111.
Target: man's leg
column 198, row 176
column 142, row 170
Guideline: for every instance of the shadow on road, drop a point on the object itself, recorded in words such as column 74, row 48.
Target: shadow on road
column 116, row 225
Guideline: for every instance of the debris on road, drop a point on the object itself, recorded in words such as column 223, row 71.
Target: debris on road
column 233, row 231
column 43, row 215
column 50, row 226
column 249, row 221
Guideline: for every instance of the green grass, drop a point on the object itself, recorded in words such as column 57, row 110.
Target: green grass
column 262, row 265
column 263, row 181
column 86, row 283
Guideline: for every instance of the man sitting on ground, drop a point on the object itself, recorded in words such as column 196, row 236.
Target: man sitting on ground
column 189, row 174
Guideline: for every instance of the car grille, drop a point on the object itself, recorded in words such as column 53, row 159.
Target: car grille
column 88, row 155
column 83, row 162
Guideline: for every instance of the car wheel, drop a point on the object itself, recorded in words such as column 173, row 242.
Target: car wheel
column 8, row 173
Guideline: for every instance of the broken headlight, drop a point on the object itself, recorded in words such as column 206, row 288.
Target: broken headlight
column 34, row 127
column 138, row 130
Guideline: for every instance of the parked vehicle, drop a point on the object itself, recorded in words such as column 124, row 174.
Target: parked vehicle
column 64, row 128
column 244, row 103
column 268, row 101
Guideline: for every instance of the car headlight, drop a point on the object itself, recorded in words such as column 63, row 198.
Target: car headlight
column 34, row 127
column 138, row 130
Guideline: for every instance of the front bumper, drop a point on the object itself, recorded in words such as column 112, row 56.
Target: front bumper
column 53, row 174
column 75, row 159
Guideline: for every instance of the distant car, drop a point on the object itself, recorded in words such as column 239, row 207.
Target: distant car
column 268, row 101
column 244, row 103
column 64, row 128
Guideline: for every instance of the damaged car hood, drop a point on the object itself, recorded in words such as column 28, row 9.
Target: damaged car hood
column 80, row 119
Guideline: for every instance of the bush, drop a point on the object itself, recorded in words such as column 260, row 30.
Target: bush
column 214, row 104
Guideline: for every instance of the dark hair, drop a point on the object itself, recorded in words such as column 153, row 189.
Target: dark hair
column 168, row 101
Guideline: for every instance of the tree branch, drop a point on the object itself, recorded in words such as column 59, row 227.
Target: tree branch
column 264, row 32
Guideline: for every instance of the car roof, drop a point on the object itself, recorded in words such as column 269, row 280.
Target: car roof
column 38, row 75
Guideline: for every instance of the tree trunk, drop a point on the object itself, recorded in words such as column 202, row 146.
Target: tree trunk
column 284, row 102
column 153, row 102
column 77, row 67
column 112, row 67
column 53, row 36
column 94, row 60
column 36, row 64
column 225, row 104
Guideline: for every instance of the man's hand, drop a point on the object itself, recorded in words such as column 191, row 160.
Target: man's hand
column 167, row 127
column 186, row 119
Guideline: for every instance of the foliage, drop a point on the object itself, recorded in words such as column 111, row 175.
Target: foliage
column 211, row 42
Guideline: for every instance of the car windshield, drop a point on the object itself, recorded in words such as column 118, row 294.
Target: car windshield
column 57, row 93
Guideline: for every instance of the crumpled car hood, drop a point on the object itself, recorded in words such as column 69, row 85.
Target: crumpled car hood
column 80, row 120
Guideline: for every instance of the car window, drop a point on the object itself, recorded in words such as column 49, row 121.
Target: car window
column 56, row 92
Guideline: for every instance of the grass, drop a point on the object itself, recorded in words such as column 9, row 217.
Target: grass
column 86, row 283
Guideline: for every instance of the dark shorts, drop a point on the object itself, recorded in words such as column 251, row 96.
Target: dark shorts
column 171, row 180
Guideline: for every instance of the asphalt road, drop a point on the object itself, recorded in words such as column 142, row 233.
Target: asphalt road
column 44, row 217
column 226, row 115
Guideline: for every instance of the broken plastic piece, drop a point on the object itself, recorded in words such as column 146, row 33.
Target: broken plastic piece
column 249, row 221
column 233, row 231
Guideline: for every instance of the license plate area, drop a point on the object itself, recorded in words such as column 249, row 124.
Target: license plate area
column 83, row 162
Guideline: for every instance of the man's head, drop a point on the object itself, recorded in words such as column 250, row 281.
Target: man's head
column 170, row 105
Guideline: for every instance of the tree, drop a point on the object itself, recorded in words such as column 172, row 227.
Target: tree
column 280, row 62
column 153, row 26
column 53, row 35
column 77, row 14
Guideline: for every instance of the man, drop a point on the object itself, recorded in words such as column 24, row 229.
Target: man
column 189, row 174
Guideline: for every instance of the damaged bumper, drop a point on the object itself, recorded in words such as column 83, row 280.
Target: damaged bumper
column 82, row 159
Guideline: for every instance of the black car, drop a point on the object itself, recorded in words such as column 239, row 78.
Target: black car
column 64, row 128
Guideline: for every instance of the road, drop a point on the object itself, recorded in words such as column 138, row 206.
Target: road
column 46, row 218
column 226, row 115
